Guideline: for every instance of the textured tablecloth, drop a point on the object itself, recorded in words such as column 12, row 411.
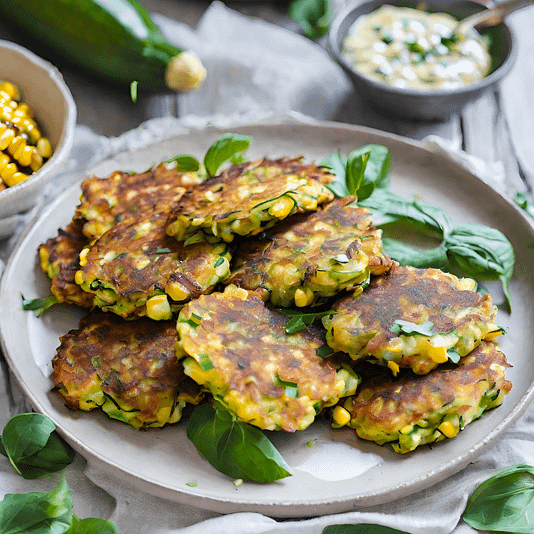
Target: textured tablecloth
column 436, row 510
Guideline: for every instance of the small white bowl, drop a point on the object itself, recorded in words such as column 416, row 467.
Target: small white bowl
column 44, row 90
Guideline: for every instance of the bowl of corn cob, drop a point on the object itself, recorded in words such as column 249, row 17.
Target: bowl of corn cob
column 37, row 121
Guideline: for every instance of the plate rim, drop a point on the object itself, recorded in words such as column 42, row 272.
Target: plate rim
column 190, row 496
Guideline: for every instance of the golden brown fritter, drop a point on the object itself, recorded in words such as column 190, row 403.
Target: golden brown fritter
column 105, row 201
column 59, row 258
column 312, row 256
column 127, row 368
column 416, row 318
column 238, row 349
column 247, row 198
column 136, row 269
column 414, row 410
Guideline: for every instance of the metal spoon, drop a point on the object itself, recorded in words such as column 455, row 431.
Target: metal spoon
column 490, row 17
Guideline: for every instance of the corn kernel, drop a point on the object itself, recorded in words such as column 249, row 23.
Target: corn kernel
column 394, row 366
column 341, row 416
column 4, row 160
column 8, row 171
column 16, row 146
column 447, row 429
column 282, row 207
column 10, row 89
column 466, row 284
column 15, row 179
column 176, row 291
column 44, row 148
column 406, row 429
column 6, row 137
column 25, row 158
column 158, row 308
column 78, row 278
column 36, row 162
column 83, row 256
column 303, row 297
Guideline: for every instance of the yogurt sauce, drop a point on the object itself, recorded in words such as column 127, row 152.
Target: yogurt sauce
column 410, row 48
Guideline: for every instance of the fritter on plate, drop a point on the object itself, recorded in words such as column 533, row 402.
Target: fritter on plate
column 312, row 256
column 136, row 269
column 415, row 318
column 414, row 410
column 59, row 258
column 247, row 198
column 105, row 201
column 127, row 368
column 238, row 349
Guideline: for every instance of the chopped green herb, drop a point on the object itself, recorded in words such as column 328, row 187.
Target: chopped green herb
column 237, row 482
column 219, row 262
column 225, row 148
column 192, row 484
column 325, row 351
column 311, row 443
column 300, row 321
column 163, row 250
column 38, row 306
column 185, row 163
column 133, row 91
column 205, row 362
column 292, row 389
column 453, row 355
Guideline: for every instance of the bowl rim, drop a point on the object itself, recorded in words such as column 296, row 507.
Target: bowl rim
column 66, row 139
column 480, row 85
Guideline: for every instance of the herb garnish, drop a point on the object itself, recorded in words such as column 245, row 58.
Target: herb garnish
column 32, row 446
column 38, row 306
column 226, row 147
column 411, row 329
column 300, row 321
column 185, row 163
column 314, row 16
column 504, row 502
column 234, row 448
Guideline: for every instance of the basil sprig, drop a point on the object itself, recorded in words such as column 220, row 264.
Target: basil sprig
column 228, row 146
column 300, row 321
column 364, row 170
column 504, row 502
column 475, row 249
column 34, row 449
column 234, row 448
column 41, row 512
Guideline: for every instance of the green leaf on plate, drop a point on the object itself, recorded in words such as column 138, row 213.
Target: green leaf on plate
column 185, row 163
column 300, row 321
column 234, row 448
column 92, row 525
column 225, row 148
column 38, row 306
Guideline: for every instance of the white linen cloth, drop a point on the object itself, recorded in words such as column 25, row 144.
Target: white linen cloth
column 255, row 86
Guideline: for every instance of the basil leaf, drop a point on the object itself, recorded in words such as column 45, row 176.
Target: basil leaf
column 362, row 528
column 416, row 257
column 356, row 164
column 324, row 351
column 366, row 169
column 92, row 525
column 337, row 165
column 504, row 502
column 376, row 173
column 234, row 448
column 388, row 207
column 292, row 389
column 300, row 321
column 453, row 355
column 482, row 251
column 32, row 446
column 37, row 512
column 411, row 329
column 185, row 163
column 38, row 306
column 223, row 149
column 314, row 16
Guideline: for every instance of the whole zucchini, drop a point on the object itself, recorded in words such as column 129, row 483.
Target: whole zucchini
column 113, row 39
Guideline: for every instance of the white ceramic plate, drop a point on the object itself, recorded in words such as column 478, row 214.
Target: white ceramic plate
column 340, row 472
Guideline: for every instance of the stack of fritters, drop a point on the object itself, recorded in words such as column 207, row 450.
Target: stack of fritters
column 224, row 254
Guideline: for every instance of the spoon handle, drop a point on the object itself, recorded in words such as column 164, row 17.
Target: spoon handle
column 492, row 16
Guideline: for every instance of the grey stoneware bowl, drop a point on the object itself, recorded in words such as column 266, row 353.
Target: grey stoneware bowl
column 44, row 90
column 423, row 104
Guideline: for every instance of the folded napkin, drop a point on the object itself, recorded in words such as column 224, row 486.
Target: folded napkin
column 259, row 73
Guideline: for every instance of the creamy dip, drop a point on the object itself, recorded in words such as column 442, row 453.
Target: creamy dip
column 410, row 48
